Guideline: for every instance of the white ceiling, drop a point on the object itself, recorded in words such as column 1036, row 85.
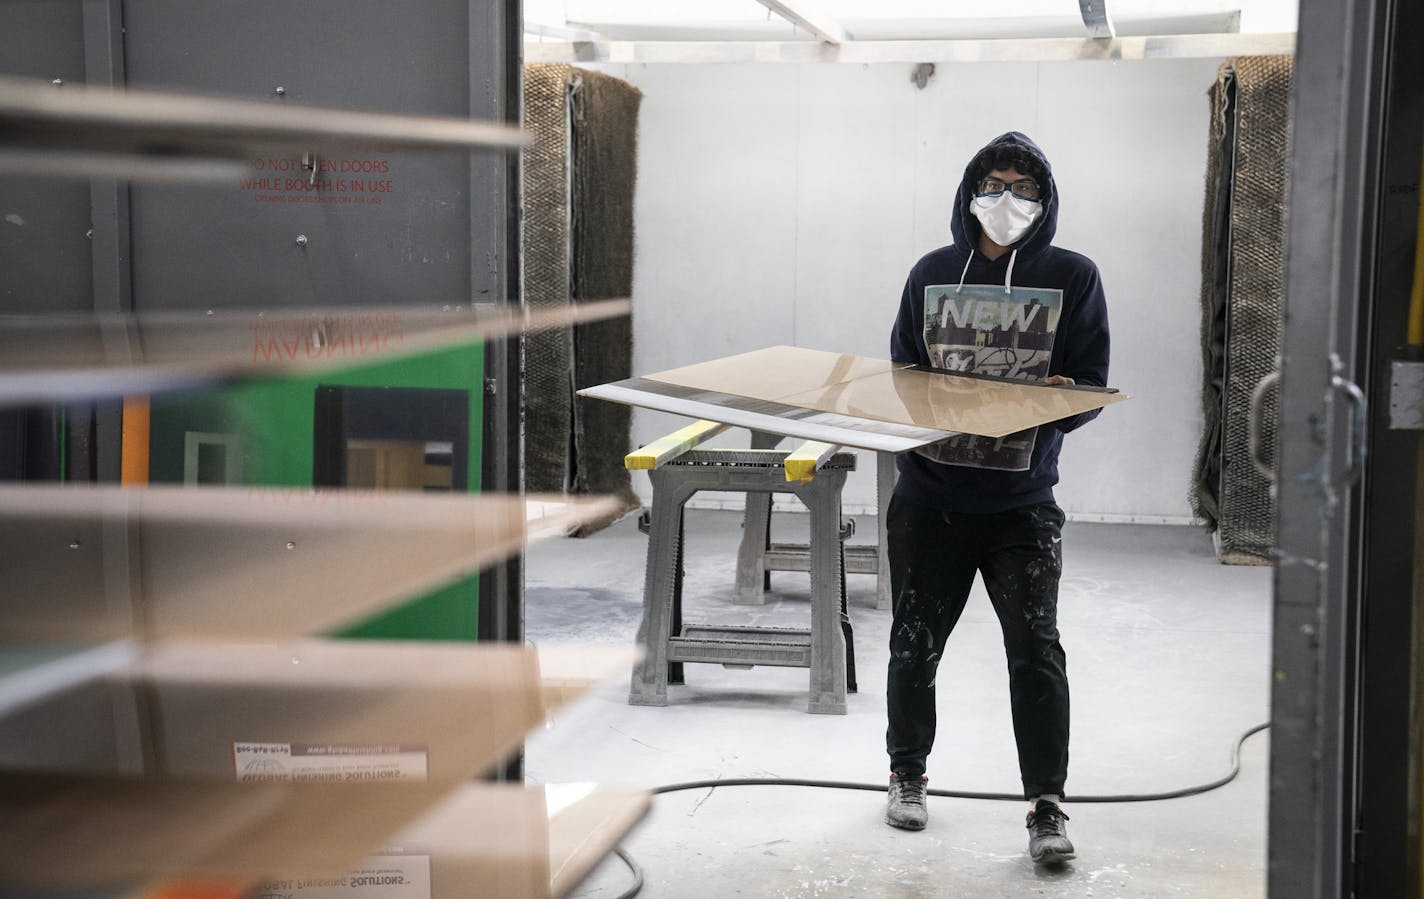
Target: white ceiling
column 882, row 20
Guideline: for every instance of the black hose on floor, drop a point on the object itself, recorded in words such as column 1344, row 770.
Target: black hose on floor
column 952, row 794
column 632, row 866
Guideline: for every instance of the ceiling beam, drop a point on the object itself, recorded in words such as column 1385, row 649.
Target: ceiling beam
column 558, row 33
column 1177, row 46
column 811, row 17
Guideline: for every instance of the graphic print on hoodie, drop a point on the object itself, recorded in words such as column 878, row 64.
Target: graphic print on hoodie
column 982, row 330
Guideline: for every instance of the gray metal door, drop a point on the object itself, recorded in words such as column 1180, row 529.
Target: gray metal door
column 373, row 229
column 44, row 222
column 1332, row 205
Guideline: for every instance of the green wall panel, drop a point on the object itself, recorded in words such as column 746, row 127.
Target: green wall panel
column 272, row 420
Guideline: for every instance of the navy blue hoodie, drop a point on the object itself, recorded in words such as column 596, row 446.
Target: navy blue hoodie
column 1079, row 348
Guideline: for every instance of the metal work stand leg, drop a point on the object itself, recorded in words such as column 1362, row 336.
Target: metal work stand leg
column 828, row 640
column 846, row 630
column 753, row 579
column 885, row 475
column 675, row 669
column 751, row 552
column 757, row 556
column 650, row 676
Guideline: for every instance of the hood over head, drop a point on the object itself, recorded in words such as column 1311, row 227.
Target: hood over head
column 966, row 228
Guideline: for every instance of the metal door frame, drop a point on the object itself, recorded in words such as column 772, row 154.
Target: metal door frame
column 95, row 428
column 1332, row 198
column 501, row 605
column 1384, row 786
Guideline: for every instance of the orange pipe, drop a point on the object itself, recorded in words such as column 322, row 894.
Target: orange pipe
column 133, row 454
column 1415, row 329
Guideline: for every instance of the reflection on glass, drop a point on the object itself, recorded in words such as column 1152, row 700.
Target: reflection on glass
column 391, row 438
column 399, row 464
column 774, row 372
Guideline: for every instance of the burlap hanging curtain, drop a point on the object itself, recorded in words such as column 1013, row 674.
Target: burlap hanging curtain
column 1243, row 288
column 579, row 178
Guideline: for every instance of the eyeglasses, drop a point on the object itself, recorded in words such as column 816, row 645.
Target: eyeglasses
column 1024, row 188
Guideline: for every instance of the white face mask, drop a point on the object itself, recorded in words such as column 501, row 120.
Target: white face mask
column 1006, row 218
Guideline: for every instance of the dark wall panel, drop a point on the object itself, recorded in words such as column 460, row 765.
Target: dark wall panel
column 44, row 223
column 369, row 228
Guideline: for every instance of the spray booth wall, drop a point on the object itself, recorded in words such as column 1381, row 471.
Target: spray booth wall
column 784, row 204
column 376, row 231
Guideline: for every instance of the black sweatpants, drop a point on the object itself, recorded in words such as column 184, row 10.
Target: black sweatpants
column 933, row 558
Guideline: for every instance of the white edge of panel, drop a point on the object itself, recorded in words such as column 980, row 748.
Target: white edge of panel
column 47, row 677
column 806, row 430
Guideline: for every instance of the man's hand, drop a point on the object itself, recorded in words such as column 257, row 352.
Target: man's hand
column 1057, row 380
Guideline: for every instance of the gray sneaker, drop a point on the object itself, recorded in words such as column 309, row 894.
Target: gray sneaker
column 1048, row 842
column 905, row 807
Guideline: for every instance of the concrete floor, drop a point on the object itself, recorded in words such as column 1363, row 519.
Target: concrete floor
column 1168, row 655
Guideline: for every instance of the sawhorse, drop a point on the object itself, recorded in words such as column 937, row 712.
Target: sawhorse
column 815, row 473
column 757, row 556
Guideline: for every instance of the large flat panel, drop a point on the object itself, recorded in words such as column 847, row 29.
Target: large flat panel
column 82, row 836
column 168, row 561
column 48, row 358
column 490, row 840
column 876, row 390
column 776, row 372
column 375, row 228
column 76, row 734
column 44, row 223
column 106, row 836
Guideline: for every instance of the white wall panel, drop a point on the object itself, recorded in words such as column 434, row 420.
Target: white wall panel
column 856, row 195
column 1128, row 143
column 716, row 217
column 715, row 212
column 961, row 109
column 785, row 204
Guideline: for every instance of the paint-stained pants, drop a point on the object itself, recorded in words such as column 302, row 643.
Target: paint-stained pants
column 933, row 558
